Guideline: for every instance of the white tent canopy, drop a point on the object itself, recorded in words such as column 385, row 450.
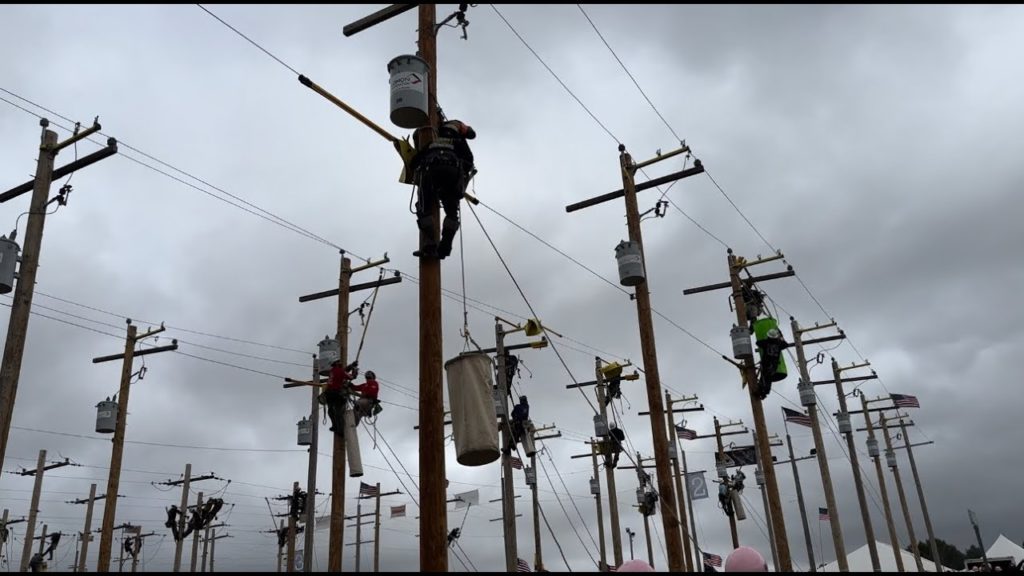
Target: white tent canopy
column 1004, row 547
column 860, row 561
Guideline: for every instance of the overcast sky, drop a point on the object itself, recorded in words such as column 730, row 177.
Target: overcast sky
column 871, row 144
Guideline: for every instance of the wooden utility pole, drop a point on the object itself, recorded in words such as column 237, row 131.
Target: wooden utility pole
column 595, row 489
column 213, row 549
column 17, row 328
column 138, row 547
column 195, row 533
column 314, row 443
column 749, row 373
column 851, row 449
column 376, row 530
column 800, row 500
column 724, row 470
column 359, row 532
column 759, row 479
column 344, row 289
column 185, row 482
column 206, row 548
column 291, row 530
column 37, row 489
column 890, row 456
column 280, row 549
column 808, row 400
column 114, row 477
column 613, row 498
column 696, row 560
column 920, row 497
column 873, row 452
column 86, row 534
column 508, row 503
column 680, row 497
column 673, row 540
column 433, row 511
column 650, row 544
column 538, row 560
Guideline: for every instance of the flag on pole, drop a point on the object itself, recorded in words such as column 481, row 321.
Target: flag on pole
column 685, row 433
column 367, row 490
column 823, row 513
column 796, row 417
column 398, row 511
column 713, row 560
column 517, row 463
column 466, row 499
column 904, row 401
column 522, row 565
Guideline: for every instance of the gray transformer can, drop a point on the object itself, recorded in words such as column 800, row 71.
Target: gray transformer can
column 305, row 432
column 409, row 91
column 106, row 416
column 329, row 352
column 631, row 263
column 8, row 264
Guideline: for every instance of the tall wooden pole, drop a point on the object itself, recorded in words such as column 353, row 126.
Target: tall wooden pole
column 680, row 499
column 30, row 526
column 359, row 534
column 697, row 562
column 17, row 327
column 920, row 497
column 902, row 495
column 764, row 450
column 508, row 503
column 138, row 549
column 885, row 492
column 800, row 501
column 596, row 479
column 337, row 536
column 314, row 444
column 858, row 481
column 538, row 559
column 183, row 512
column 280, row 548
column 114, row 476
column 650, row 545
column 195, row 534
column 819, row 446
column 206, row 548
column 721, row 458
column 87, row 532
column 291, row 533
column 673, row 541
column 433, row 512
column 376, row 533
column 213, row 549
column 613, row 497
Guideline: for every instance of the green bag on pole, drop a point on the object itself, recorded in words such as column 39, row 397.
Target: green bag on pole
column 769, row 338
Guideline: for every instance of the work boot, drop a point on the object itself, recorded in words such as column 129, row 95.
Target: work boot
column 428, row 251
column 448, row 230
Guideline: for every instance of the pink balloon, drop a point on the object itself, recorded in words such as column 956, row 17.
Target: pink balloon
column 635, row 566
column 745, row 559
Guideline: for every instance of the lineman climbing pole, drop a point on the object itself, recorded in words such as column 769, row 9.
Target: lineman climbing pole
column 185, row 482
column 37, row 489
column 847, row 430
column 808, row 400
column 17, row 328
column 647, row 523
column 642, row 296
column 114, row 477
column 724, row 478
column 344, row 289
column 749, row 373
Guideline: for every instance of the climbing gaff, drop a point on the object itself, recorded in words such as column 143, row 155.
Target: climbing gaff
column 474, row 418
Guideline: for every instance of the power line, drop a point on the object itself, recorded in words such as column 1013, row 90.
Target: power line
column 251, row 41
column 628, row 73
column 541, row 60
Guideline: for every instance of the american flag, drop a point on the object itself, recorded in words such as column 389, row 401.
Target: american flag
column 904, row 401
column 713, row 560
column 517, row 463
column 522, row 565
column 823, row 513
column 367, row 490
column 398, row 511
column 685, row 433
column 796, row 417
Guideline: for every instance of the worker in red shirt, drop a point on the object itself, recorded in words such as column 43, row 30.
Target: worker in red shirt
column 367, row 396
column 334, row 393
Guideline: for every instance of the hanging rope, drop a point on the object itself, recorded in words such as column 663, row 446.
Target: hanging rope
column 369, row 316
column 466, row 336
